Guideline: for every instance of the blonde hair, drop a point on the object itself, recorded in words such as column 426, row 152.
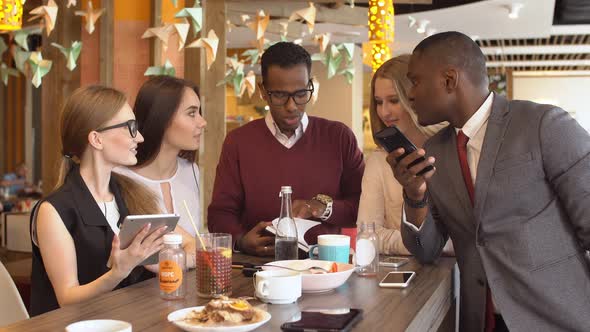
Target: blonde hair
column 396, row 70
column 88, row 109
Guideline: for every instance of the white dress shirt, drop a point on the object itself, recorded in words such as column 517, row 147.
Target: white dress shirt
column 288, row 142
column 475, row 129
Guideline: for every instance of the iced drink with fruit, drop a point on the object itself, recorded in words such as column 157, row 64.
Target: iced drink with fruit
column 214, row 265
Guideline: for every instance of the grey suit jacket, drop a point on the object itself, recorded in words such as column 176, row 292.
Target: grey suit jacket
column 530, row 224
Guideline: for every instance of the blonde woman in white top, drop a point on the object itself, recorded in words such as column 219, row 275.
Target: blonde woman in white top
column 168, row 112
column 381, row 199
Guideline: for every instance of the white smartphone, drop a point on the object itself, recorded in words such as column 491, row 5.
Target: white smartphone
column 398, row 279
column 393, row 261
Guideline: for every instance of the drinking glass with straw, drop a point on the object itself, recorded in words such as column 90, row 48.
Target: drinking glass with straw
column 213, row 262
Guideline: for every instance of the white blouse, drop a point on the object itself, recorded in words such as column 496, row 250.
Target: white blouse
column 184, row 185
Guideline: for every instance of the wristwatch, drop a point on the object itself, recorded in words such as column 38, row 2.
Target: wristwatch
column 413, row 203
column 327, row 201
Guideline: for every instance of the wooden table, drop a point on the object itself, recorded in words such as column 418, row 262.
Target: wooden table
column 420, row 307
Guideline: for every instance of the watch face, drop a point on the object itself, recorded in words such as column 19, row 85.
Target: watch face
column 325, row 199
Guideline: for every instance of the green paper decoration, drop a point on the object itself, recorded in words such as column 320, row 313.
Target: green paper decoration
column 5, row 71
column 20, row 36
column 39, row 67
column 166, row 69
column 72, row 53
column 20, row 58
column 195, row 14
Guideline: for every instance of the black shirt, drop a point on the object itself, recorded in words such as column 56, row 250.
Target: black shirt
column 92, row 237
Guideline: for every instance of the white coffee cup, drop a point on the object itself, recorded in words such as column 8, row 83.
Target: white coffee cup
column 277, row 286
column 99, row 325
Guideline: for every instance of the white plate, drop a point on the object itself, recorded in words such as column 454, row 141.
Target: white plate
column 99, row 325
column 317, row 283
column 176, row 316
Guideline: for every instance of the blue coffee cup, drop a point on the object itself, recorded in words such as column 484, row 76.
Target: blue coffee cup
column 331, row 247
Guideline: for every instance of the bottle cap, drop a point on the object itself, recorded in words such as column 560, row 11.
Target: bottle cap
column 286, row 190
column 172, row 238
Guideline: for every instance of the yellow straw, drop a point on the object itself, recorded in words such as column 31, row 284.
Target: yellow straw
column 194, row 225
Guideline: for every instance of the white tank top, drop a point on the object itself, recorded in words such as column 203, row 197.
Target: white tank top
column 184, row 186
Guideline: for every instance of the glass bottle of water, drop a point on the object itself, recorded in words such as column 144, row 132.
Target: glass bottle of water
column 367, row 251
column 286, row 235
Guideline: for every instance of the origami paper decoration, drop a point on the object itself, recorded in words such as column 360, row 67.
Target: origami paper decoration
column 249, row 84
column 253, row 55
column 39, row 67
column 162, row 33
column 307, row 15
column 284, row 28
column 3, row 47
column 181, row 29
column 175, row 3
column 348, row 49
column 166, row 69
column 229, row 25
column 48, row 13
column 20, row 58
column 245, row 18
column 20, row 36
column 234, row 75
column 316, row 90
column 209, row 44
column 348, row 72
column 323, row 40
column 72, row 3
column 195, row 14
column 90, row 15
column 72, row 53
column 5, row 71
column 260, row 24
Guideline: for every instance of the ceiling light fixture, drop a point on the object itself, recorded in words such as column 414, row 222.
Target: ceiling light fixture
column 514, row 10
column 381, row 31
column 11, row 15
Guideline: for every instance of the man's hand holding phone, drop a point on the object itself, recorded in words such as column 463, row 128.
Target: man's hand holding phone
column 406, row 172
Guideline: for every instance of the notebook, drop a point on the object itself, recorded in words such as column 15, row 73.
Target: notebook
column 303, row 225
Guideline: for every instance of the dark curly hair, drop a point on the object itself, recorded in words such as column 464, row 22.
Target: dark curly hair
column 284, row 55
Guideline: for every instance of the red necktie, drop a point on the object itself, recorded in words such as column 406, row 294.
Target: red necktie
column 462, row 140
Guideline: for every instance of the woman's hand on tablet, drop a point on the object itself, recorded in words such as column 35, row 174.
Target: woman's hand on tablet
column 142, row 247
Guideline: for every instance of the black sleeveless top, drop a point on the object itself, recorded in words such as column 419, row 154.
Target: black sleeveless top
column 92, row 237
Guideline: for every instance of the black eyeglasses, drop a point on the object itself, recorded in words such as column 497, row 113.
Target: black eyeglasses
column 130, row 124
column 300, row 97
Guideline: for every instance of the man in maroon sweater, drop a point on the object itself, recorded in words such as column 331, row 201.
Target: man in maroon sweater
column 318, row 158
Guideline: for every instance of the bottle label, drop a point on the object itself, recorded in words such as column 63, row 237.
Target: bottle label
column 170, row 276
column 365, row 252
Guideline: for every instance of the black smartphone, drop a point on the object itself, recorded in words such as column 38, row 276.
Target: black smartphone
column 329, row 320
column 391, row 139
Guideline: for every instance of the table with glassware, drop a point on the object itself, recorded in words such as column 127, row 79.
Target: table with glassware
column 422, row 306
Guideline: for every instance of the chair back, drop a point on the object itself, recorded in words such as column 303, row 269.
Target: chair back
column 12, row 308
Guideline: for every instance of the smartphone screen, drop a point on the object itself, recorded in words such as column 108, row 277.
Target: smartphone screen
column 397, row 277
column 328, row 320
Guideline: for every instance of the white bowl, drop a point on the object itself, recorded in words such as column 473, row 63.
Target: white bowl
column 99, row 325
column 177, row 316
column 317, row 283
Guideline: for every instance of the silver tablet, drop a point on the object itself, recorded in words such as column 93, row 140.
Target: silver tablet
column 132, row 225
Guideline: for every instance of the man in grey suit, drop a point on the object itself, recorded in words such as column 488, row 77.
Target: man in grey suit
column 511, row 187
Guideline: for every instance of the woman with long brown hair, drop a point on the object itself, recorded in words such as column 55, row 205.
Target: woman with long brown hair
column 75, row 229
column 381, row 199
column 168, row 111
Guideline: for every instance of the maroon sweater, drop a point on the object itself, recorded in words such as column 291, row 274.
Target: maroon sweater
column 254, row 165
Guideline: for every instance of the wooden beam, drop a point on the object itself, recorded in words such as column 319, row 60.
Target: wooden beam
column 155, row 44
column 107, row 23
column 57, row 85
column 212, row 96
